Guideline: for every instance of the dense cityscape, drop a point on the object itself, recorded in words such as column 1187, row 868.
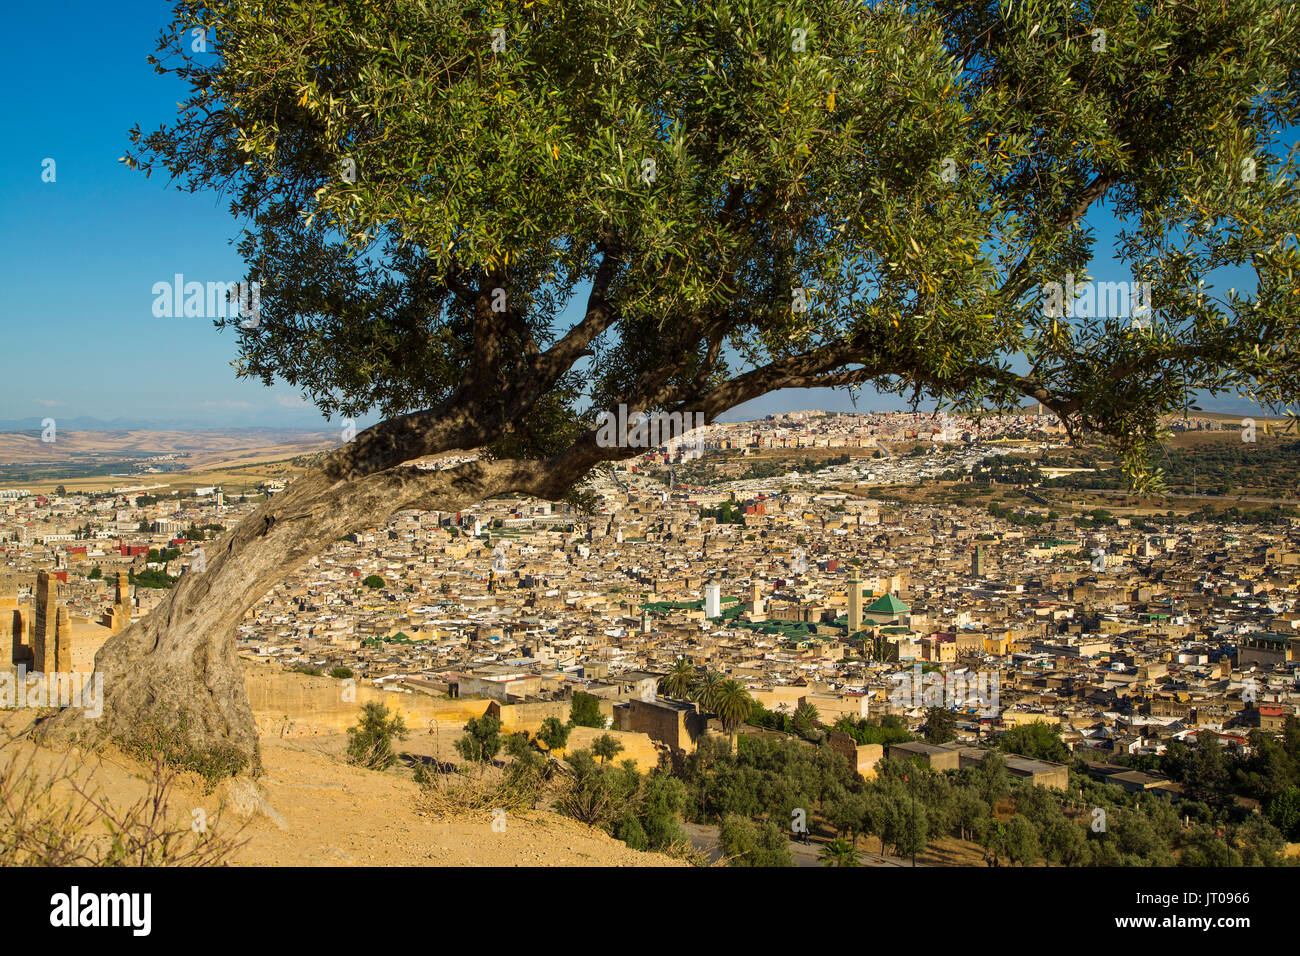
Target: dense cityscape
column 1122, row 635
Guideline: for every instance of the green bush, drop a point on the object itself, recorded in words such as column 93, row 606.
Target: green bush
column 482, row 739
column 370, row 742
column 585, row 711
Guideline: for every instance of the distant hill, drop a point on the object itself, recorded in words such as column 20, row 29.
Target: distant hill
column 201, row 446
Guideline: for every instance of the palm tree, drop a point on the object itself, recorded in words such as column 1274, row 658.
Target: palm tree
column 706, row 685
column 805, row 719
column 839, row 852
column 678, row 681
column 732, row 704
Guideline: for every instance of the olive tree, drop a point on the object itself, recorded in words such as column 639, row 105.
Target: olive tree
column 486, row 223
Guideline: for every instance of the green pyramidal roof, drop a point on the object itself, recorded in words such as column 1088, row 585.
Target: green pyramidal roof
column 888, row 605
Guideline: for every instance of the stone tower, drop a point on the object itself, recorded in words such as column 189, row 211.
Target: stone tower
column 46, row 619
column 855, row 603
column 118, row 617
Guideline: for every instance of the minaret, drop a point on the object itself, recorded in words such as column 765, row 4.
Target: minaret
column 712, row 600
column 855, row 603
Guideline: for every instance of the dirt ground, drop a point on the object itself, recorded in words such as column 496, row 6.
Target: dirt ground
column 324, row 812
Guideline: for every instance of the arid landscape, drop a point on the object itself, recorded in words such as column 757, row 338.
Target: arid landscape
column 89, row 461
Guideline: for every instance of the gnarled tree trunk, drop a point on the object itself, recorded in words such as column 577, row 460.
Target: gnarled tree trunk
column 175, row 674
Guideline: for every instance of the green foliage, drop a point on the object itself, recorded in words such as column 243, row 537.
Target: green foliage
column 745, row 843
column 170, row 743
column 553, row 733
column 940, row 725
column 606, row 748
column 890, row 729
column 585, row 711
column 481, row 741
column 643, row 810
column 731, row 703
column 150, row 578
column 1038, row 740
column 805, row 720
column 1015, row 838
column 341, row 673
column 907, row 806
column 370, row 741
column 309, row 669
column 678, row 681
column 528, row 769
column 1284, row 813
column 373, row 581
column 725, row 513
column 764, row 776
column 839, row 852
column 917, row 174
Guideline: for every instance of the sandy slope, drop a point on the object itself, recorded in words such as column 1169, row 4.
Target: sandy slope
column 327, row 813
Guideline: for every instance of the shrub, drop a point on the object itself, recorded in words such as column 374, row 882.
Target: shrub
column 482, row 740
column 370, row 742
column 154, row 742
column 478, row 790
column 41, row 826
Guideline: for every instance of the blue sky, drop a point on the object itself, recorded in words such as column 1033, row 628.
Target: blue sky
column 80, row 255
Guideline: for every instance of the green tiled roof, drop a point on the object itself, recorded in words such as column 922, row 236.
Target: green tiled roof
column 888, row 605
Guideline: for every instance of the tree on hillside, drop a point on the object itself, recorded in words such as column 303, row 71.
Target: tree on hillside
column 746, row 843
column 738, row 196
column 554, row 733
column 481, row 741
column 370, row 741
